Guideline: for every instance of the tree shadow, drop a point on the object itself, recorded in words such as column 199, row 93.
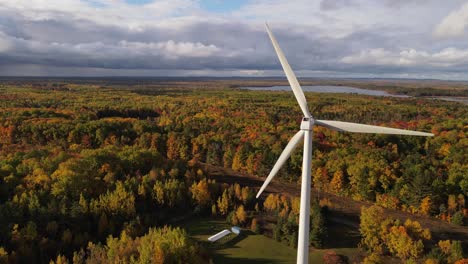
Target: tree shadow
column 342, row 231
column 236, row 239
column 340, row 236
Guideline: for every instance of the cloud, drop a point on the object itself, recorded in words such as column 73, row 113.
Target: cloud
column 454, row 24
column 252, row 72
column 104, row 11
column 4, row 42
column 402, row 3
column 178, row 37
column 170, row 49
column 448, row 57
column 122, row 54
column 335, row 4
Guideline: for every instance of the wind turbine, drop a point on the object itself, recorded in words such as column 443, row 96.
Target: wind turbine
column 306, row 132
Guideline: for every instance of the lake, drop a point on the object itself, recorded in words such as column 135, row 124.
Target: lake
column 351, row 90
column 463, row 100
column 327, row 89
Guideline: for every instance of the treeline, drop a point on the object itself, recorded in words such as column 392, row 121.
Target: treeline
column 428, row 91
column 162, row 245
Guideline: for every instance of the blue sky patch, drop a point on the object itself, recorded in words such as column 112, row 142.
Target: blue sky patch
column 217, row 6
column 222, row 5
column 139, row 2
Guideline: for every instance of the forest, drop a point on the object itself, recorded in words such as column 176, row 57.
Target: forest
column 101, row 172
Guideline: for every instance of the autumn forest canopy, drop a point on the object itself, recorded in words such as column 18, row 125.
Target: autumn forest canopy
column 100, row 172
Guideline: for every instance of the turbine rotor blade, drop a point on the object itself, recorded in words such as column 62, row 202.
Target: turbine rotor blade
column 290, row 75
column 282, row 159
column 361, row 128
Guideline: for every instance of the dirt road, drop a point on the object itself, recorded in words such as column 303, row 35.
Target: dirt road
column 344, row 210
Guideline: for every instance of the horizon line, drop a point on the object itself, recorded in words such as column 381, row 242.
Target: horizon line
column 220, row 77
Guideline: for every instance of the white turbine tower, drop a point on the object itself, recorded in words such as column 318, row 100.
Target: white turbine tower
column 306, row 132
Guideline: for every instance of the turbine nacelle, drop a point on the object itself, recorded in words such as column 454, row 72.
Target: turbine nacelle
column 307, row 123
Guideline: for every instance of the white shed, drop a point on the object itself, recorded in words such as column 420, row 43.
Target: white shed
column 219, row 235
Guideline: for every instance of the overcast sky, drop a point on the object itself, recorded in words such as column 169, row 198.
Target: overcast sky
column 321, row 38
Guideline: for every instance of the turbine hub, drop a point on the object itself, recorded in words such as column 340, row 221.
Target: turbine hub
column 307, row 123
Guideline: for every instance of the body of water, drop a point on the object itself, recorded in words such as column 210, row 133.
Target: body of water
column 463, row 100
column 328, row 89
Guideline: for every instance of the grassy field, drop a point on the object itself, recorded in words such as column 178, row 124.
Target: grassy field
column 248, row 247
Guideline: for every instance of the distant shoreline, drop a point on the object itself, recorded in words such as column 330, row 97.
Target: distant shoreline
column 355, row 90
column 420, row 88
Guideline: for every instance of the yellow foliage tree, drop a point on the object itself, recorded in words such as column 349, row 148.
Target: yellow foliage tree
column 295, row 205
column 3, row 255
column 241, row 214
column 237, row 162
column 405, row 241
column 238, row 191
column 320, row 178
column 60, row 260
column 223, row 203
column 271, row 202
column 402, row 245
column 337, row 182
column 453, row 250
column 245, row 194
column 254, row 225
column 201, row 193
column 452, row 204
column 370, row 228
column 444, row 245
column 425, row 206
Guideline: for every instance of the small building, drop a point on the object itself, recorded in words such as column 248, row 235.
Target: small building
column 236, row 230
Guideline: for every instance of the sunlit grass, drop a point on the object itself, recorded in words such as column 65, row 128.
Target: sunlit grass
column 248, row 247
